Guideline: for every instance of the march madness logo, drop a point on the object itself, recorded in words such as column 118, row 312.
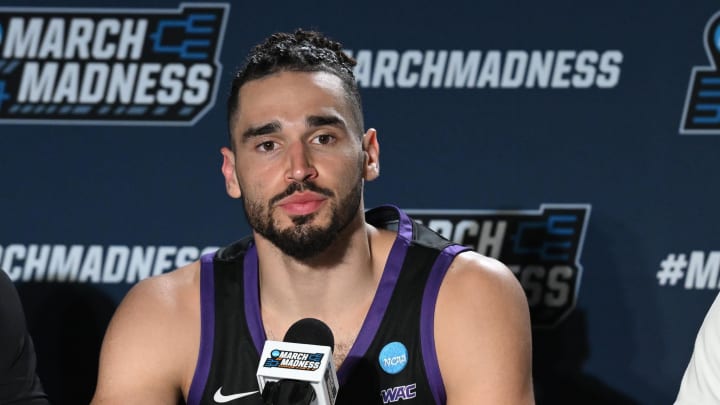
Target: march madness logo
column 541, row 247
column 701, row 114
column 294, row 360
column 110, row 66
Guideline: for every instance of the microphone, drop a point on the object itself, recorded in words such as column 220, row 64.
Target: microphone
column 300, row 369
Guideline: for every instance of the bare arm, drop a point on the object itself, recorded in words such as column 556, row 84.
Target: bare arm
column 482, row 332
column 150, row 347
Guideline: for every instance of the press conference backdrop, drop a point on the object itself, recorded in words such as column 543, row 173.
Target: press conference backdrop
column 576, row 141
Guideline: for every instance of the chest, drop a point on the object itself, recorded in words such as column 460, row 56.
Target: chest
column 381, row 356
column 341, row 350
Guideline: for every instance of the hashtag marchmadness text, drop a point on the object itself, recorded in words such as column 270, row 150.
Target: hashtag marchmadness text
column 697, row 270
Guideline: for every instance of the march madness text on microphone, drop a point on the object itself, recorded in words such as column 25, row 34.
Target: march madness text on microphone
column 301, row 363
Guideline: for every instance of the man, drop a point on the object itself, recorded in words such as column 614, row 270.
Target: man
column 298, row 159
column 701, row 383
column 19, row 385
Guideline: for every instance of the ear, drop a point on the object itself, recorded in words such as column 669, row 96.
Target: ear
column 232, row 186
column 371, row 149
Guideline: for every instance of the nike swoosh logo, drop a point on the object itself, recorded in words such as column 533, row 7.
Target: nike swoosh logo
column 221, row 399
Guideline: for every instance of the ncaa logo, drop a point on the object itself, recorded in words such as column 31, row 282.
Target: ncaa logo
column 393, row 357
column 701, row 113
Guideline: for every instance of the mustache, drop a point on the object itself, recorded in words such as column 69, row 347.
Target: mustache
column 303, row 186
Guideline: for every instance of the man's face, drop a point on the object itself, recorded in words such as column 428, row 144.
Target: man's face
column 298, row 162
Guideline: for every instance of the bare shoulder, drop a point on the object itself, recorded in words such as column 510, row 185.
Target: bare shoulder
column 167, row 291
column 150, row 346
column 159, row 302
column 482, row 293
column 482, row 313
column 472, row 273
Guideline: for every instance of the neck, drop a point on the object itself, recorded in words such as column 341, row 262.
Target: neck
column 340, row 278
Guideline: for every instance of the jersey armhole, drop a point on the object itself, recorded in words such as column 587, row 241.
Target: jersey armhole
column 427, row 321
column 207, row 330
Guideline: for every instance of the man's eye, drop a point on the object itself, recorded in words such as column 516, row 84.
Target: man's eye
column 324, row 139
column 267, row 146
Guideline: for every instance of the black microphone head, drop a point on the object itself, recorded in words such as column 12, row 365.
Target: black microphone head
column 310, row 331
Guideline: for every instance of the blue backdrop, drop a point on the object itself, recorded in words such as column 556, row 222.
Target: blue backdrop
column 575, row 141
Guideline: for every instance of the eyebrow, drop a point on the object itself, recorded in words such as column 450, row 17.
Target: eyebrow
column 325, row 120
column 268, row 128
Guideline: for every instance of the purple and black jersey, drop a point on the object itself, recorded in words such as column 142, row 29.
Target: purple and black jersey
column 393, row 357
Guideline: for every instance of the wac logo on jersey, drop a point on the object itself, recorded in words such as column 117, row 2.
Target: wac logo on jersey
column 110, row 66
column 541, row 247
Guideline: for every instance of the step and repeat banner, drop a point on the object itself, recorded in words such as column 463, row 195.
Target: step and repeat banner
column 577, row 142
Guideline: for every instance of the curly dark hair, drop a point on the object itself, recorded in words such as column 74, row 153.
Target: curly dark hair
column 301, row 51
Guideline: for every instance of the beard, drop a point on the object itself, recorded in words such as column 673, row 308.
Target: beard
column 302, row 240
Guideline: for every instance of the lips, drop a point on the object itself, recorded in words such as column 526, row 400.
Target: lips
column 302, row 203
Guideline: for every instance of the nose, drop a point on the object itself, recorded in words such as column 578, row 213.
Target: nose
column 301, row 167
